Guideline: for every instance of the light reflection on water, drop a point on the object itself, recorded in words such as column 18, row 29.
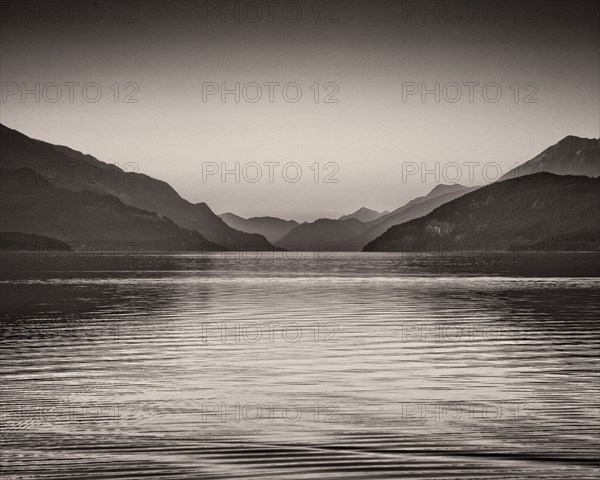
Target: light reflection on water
column 349, row 365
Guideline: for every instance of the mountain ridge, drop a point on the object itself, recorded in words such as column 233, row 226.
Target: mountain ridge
column 79, row 171
column 542, row 211
column 82, row 218
column 570, row 156
column 272, row 228
column 363, row 214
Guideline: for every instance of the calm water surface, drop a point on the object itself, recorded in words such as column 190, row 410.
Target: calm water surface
column 308, row 367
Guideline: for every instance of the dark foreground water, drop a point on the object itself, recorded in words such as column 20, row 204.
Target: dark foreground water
column 319, row 366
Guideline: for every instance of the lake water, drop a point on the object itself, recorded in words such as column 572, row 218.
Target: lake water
column 307, row 366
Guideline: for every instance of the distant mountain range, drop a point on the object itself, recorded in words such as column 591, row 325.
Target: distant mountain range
column 56, row 192
column 364, row 215
column 85, row 219
column 322, row 234
column 538, row 212
column 415, row 208
column 571, row 156
column 353, row 235
column 276, row 229
column 71, row 170
column 271, row 228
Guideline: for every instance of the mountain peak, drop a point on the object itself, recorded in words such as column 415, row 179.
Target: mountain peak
column 570, row 156
column 572, row 143
column 365, row 210
column 363, row 214
column 575, row 138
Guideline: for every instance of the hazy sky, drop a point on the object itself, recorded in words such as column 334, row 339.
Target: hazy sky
column 373, row 57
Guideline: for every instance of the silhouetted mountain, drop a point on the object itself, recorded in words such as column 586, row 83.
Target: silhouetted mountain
column 414, row 209
column 15, row 241
column 321, row 235
column 439, row 190
column 68, row 169
column 536, row 212
column 364, row 215
column 571, row 156
column 31, row 204
column 272, row 228
column 353, row 235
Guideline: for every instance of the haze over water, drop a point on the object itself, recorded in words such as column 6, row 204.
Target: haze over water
column 303, row 366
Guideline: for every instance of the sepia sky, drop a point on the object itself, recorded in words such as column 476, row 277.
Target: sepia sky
column 370, row 56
